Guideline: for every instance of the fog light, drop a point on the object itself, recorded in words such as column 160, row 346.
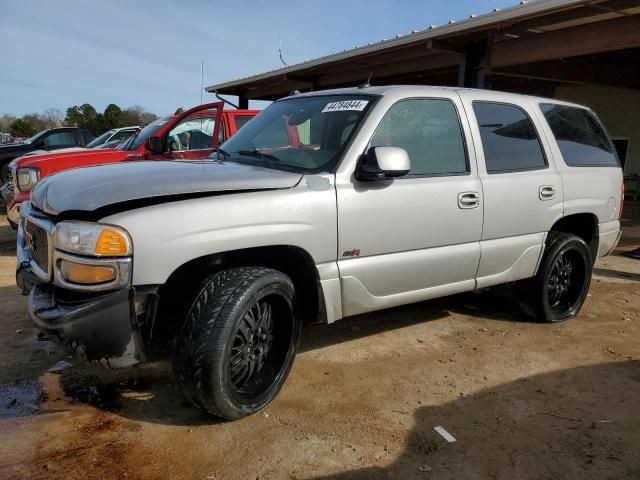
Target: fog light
column 86, row 274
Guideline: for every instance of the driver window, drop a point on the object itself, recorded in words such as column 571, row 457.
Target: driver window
column 194, row 133
column 60, row 139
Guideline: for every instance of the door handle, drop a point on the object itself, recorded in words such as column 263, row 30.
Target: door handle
column 468, row 200
column 546, row 192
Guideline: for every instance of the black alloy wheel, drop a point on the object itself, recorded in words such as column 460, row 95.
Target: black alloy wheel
column 239, row 341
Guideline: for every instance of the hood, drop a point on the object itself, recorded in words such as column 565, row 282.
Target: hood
column 92, row 188
column 61, row 150
column 12, row 148
column 38, row 159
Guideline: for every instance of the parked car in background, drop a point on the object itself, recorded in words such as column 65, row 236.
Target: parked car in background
column 51, row 139
column 327, row 205
column 192, row 134
column 109, row 139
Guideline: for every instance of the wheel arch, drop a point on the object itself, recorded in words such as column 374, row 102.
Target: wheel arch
column 177, row 293
column 583, row 225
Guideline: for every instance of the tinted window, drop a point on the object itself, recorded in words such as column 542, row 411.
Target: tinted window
column 580, row 136
column 429, row 130
column 241, row 120
column 509, row 138
column 60, row 138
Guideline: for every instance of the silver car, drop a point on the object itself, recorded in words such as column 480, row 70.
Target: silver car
column 328, row 204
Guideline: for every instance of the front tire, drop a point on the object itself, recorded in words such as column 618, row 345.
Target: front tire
column 239, row 341
column 560, row 287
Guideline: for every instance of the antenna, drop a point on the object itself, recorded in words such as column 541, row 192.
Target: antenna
column 280, row 52
column 367, row 83
column 201, row 81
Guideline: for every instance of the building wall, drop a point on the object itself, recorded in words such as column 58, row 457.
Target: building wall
column 619, row 110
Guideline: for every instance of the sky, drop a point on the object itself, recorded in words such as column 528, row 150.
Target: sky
column 69, row 52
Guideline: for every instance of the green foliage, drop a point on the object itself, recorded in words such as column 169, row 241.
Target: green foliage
column 22, row 128
column 83, row 116
column 86, row 116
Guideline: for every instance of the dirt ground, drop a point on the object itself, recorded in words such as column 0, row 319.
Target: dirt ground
column 523, row 400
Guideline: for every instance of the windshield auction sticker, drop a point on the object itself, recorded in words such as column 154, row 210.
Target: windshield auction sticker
column 345, row 105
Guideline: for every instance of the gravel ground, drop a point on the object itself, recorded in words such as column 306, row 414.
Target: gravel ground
column 523, row 400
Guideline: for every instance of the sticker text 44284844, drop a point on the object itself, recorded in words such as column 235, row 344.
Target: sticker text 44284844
column 345, row 105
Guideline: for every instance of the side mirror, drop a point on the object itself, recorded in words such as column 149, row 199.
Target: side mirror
column 40, row 143
column 383, row 163
column 155, row 145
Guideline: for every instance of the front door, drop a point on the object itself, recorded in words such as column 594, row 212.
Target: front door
column 414, row 237
column 194, row 136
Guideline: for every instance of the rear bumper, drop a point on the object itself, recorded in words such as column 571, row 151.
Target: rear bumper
column 608, row 237
column 100, row 329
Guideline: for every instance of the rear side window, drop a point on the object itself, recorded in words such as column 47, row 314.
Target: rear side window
column 429, row 130
column 581, row 138
column 509, row 139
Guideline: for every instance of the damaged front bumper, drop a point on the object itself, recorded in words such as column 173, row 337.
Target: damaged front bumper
column 101, row 329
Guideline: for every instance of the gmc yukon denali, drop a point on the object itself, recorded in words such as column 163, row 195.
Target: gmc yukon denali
column 383, row 196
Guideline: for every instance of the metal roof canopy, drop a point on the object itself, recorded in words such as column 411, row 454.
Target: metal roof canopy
column 522, row 47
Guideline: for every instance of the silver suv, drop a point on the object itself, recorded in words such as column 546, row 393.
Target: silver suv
column 326, row 205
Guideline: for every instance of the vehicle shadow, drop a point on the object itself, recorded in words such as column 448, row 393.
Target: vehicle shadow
column 576, row 423
column 148, row 392
column 605, row 272
column 498, row 303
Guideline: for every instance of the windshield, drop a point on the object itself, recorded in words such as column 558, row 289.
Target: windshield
column 139, row 138
column 101, row 139
column 35, row 137
column 305, row 134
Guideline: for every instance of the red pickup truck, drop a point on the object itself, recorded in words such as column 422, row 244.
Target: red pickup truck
column 192, row 134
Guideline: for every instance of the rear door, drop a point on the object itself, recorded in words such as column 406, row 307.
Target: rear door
column 522, row 188
column 417, row 236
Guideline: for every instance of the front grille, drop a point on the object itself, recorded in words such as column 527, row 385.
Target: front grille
column 38, row 243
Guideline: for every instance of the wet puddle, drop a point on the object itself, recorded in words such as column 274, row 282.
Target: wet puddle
column 21, row 399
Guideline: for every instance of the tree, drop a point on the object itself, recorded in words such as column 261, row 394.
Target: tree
column 53, row 117
column 74, row 117
column 21, row 128
column 112, row 116
column 36, row 121
column 5, row 122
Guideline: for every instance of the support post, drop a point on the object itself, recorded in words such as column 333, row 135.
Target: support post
column 243, row 102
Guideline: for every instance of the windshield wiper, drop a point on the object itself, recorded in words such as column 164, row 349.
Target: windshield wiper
column 223, row 152
column 257, row 153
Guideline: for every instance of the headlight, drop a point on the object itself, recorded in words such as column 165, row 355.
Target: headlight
column 27, row 178
column 94, row 239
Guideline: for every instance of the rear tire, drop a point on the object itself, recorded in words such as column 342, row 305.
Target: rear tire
column 239, row 341
column 560, row 287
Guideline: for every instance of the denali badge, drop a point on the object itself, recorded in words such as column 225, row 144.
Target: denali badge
column 352, row 253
